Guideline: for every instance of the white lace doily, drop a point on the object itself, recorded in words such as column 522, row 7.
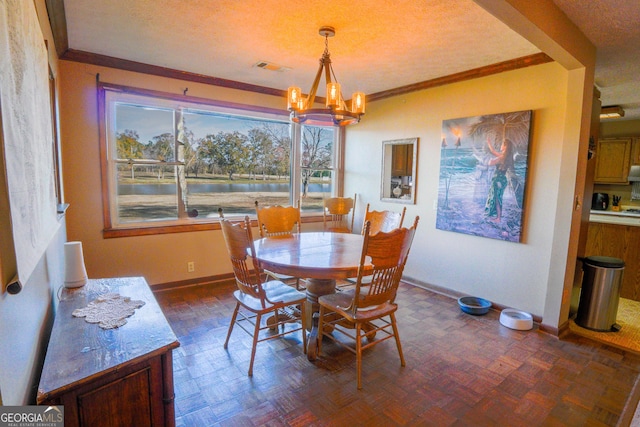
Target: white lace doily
column 109, row 310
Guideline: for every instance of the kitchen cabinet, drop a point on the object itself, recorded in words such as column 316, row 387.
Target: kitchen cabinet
column 110, row 377
column 635, row 151
column 402, row 160
column 613, row 157
column 618, row 241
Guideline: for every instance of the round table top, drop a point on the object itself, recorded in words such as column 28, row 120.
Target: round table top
column 316, row 255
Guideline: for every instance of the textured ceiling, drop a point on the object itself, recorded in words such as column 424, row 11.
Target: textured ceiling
column 378, row 45
column 614, row 28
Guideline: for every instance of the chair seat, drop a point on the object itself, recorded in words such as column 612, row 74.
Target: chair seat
column 281, row 293
column 277, row 293
column 287, row 280
column 339, row 303
column 281, row 277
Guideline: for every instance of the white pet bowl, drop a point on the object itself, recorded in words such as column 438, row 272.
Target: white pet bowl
column 515, row 319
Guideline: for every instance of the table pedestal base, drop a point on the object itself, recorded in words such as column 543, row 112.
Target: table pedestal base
column 315, row 289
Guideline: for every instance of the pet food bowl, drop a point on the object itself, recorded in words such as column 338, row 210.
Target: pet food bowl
column 515, row 319
column 474, row 305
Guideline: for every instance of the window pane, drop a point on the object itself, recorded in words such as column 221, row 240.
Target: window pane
column 146, row 193
column 232, row 161
column 144, row 143
column 316, row 166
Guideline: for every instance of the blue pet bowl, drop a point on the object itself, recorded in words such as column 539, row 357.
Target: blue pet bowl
column 474, row 305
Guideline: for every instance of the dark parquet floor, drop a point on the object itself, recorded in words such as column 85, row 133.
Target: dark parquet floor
column 461, row 370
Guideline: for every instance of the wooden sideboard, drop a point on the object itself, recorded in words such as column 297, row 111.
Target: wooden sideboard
column 110, row 377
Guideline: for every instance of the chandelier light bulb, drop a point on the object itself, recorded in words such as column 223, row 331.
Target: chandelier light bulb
column 294, row 96
column 333, row 94
column 357, row 103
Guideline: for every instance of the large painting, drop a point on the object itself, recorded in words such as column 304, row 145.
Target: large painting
column 483, row 172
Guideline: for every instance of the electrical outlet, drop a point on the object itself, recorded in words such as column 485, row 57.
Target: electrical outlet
column 191, row 266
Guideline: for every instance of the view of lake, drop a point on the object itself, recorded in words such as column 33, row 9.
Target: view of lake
column 166, row 189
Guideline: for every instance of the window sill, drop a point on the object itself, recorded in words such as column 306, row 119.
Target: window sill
column 111, row 233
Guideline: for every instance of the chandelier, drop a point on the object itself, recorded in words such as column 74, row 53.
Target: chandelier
column 335, row 112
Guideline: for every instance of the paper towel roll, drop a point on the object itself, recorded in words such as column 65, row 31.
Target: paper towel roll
column 75, row 273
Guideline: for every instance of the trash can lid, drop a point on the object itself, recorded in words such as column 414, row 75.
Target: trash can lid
column 604, row 261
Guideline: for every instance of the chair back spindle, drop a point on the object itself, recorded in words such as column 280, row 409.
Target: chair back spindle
column 239, row 241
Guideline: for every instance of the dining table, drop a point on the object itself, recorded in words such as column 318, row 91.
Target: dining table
column 321, row 258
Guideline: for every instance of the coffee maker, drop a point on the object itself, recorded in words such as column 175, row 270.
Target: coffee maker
column 600, row 201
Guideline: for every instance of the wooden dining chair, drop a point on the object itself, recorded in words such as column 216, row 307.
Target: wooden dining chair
column 279, row 221
column 335, row 214
column 255, row 298
column 369, row 309
column 383, row 220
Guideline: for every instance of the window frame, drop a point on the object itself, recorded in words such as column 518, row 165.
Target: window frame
column 180, row 225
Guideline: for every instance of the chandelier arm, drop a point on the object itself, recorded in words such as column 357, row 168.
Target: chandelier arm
column 314, row 86
column 343, row 104
column 328, row 70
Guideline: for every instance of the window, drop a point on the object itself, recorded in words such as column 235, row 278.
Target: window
column 175, row 160
column 316, row 166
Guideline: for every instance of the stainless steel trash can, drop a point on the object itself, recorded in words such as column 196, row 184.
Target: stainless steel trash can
column 600, row 293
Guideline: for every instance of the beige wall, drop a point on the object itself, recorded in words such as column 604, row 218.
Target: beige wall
column 510, row 274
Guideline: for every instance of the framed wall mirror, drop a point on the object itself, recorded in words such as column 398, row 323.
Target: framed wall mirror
column 399, row 167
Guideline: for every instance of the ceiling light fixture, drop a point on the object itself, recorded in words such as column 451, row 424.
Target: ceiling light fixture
column 335, row 112
column 612, row 112
column 266, row 65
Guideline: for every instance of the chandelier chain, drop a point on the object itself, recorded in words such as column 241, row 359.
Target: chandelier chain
column 326, row 53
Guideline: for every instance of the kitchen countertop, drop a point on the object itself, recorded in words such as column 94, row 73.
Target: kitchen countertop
column 613, row 217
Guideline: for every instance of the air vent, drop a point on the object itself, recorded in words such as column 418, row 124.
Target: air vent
column 271, row 66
